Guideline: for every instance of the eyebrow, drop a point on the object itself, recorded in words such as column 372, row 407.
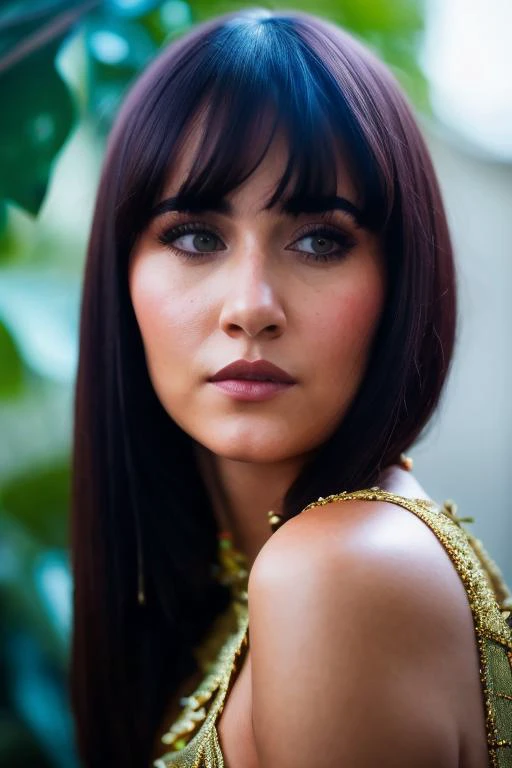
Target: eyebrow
column 293, row 206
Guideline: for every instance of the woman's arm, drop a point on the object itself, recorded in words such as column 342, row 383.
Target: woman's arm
column 358, row 623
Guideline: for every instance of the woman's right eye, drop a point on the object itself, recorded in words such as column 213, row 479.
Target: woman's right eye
column 191, row 240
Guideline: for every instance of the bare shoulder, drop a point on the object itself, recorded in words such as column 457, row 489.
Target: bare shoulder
column 369, row 622
column 378, row 544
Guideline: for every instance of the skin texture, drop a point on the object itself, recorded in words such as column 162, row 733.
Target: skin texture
column 315, row 688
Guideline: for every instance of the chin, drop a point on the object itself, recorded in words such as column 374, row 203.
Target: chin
column 257, row 441
column 257, row 446
column 252, row 453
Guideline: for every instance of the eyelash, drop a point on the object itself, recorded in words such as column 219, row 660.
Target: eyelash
column 345, row 242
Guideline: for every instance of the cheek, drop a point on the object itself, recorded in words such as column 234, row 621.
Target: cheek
column 344, row 323
column 169, row 320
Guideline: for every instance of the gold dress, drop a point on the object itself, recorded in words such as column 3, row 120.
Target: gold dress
column 192, row 740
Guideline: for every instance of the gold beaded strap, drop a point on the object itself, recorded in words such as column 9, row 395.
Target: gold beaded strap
column 490, row 602
column 192, row 739
column 203, row 749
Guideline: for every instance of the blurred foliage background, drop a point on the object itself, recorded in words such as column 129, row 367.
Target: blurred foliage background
column 64, row 67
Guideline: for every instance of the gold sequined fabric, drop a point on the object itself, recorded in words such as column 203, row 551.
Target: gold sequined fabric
column 193, row 737
column 201, row 711
column 192, row 740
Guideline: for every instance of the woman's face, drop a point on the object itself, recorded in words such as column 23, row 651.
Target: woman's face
column 213, row 287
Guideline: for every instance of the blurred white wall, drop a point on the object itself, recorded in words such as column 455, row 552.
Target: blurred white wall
column 466, row 454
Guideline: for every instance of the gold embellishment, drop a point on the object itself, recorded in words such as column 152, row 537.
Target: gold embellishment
column 275, row 520
column 406, row 462
column 233, row 569
column 191, row 731
column 192, row 737
column 504, row 696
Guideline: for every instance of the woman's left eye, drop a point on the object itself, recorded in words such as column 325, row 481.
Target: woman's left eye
column 191, row 240
column 322, row 244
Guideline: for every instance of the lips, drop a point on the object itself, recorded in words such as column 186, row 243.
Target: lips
column 259, row 370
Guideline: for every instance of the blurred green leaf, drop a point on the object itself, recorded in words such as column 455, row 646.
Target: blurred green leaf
column 16, row 233
column 393, row 18
column 42, row 311
column 11, row 365
column 167, row 20
column 34, row 128
column 18, row 747
column 131, row 9
column 39, row 500
column 118, row 49
column 118, row 43
column 35, row 594
column 20, row 19
column 28, row 575
column 3, row 223
column 35, row 427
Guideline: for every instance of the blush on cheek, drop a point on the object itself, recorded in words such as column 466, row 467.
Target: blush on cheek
column 349, row 320
column 360, row 313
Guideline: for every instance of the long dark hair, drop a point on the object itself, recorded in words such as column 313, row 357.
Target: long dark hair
column 135, row 481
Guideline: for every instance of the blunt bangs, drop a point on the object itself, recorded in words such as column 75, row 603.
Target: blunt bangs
column 253, row 76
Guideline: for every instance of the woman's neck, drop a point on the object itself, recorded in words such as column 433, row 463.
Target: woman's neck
column 242, row 493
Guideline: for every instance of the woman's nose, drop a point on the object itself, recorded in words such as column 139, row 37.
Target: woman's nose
column 251, row 303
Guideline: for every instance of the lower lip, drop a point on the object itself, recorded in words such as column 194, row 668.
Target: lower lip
column 252, row 391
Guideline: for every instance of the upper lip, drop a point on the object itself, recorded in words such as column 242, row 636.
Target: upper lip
column 258, row 370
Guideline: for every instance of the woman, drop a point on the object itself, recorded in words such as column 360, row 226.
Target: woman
column 267, row 321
